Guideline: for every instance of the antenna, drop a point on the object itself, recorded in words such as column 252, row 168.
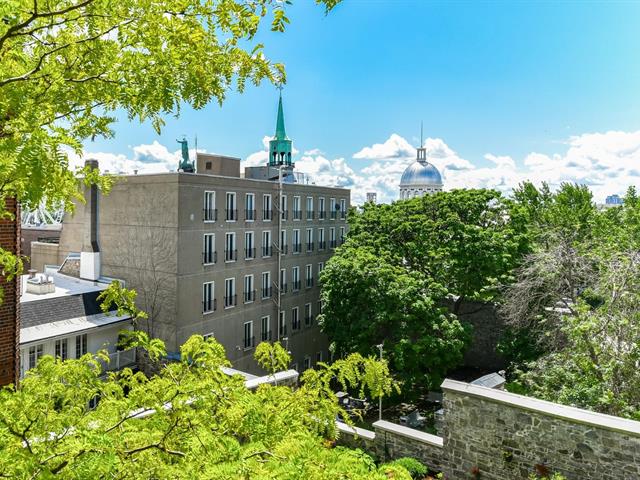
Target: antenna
column 421, row 133
column 196, row 145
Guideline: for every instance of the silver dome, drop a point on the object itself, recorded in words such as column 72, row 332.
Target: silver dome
column 421, row 174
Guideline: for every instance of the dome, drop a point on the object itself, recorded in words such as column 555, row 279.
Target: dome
column 421, row 174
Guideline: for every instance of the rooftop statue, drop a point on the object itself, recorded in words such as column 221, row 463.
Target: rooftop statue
column 185, row 164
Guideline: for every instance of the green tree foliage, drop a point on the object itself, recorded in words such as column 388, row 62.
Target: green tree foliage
column 189, row 421
column 388, row 282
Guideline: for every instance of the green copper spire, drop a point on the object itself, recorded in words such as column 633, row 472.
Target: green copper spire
column 280, row 145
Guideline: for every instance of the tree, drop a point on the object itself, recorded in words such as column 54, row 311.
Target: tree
column 67, row 66
column 390, row 281
column 189, row 421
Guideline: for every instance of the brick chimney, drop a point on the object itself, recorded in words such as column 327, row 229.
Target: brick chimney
column 10, row 306
column 90, row 254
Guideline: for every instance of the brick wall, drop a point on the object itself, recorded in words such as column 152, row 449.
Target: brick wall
column 9, row 308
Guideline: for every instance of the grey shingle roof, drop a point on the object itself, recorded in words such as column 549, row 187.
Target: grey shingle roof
column 39, row 312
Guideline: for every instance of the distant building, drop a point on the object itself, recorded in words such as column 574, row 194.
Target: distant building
column 218, row 254
column 420, row 178
column 372, row 197
column 614, row 199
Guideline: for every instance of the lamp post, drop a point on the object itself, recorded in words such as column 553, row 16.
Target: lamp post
column 380, row 396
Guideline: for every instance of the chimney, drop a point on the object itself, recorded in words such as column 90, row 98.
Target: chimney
column 90, row 254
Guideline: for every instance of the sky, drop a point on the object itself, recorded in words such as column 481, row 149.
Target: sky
column 506, row 91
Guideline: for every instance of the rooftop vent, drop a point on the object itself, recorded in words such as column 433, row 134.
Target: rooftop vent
column 40, row 284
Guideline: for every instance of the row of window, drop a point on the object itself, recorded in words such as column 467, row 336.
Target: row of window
column 249, row 293
column 210, row 255
column 35, row 352
column 210, row 212
column 266, row 333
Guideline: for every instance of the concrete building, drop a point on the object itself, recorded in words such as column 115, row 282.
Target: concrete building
column 218, row 254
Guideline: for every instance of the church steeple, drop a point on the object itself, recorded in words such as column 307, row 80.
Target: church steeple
column 280, row 145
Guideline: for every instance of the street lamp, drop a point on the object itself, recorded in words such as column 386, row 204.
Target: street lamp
column 380, row 396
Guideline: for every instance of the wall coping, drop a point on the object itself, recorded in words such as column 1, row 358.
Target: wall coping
column 357, row 431
column 411, row 433
column 291, row 375
column 573, row 414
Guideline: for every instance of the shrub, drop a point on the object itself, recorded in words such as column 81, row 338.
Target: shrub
column 411, row 465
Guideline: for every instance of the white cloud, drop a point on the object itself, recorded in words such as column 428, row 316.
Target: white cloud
column 393, row 148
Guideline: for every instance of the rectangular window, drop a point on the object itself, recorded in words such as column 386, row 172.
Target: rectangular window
column 342, row 235
column 209, row 249
column 295, row 278
column 266, row 207
column 249, row 292
column 208, row 300
column 297, row 210
column 332, row 208
column 282, row 324
column 322, row 212
column 266, row 243
column 207, row 336
column 308, row 319
column 266, row 285
column 319, row 306
column 250, row 207
column 309, row 208
column 230, row 252
column 320, row 268
column 343, row 208
column 309, row 239
column 307, row 363
column 308, row 275
column 210, row 214
column 321, row 242
column 283, row 280
column 81, row 345
column 249, row 341
column 283, row 207
column 249, row 247
column 230, row 298
column 265, row 324
column 295, row 319
column 318, row 357
column 230, row 207
column 36, row 352
column 332, row 237
column 61, row 349
column 296, row 241
column 283, row 241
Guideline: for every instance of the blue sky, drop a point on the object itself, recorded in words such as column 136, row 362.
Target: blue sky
column 488, row 79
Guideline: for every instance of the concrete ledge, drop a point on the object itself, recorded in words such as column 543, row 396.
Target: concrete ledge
column 409, row 433
column 570, row 414
column 356, row 431
column 287, row 377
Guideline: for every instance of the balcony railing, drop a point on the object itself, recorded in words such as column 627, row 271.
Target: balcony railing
column 267, row 214
column 230, row 300
column 309, row 282
column 332, row 244
column 249, row 253
column 249, row 342
column 209, row 305
column 308, row 320
column 250, row 214
column 295, row 285
column 266, row 336
column 310, row 247
column 297, row 247
column 297, row 214
column 284, row 214
column 283, row 329
column 266, row 251
column 266, row 292
column 210, row 214
column 231, row 214
column 119, row 360
column 295, row 324
column 249, row 296
column 283, row 288
column 230, row 255
column 209, row 257
column 322, row 244
column 334, row 215
column 343, row 214
column 310, row 214
column 284, row 249
column 322, row 214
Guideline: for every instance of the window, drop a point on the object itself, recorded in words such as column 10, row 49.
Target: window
column 266, row 284
column 318, row 356
column 296, row 241
column 307, row 363
column 283, row 280
column 249, row 248
column 248, row 335
column 283, row 241
column 230, row 299
column 332, row 237
column 342, row 235
column 308, row 319
column 249, row 292
column 208, row 300
column 81, row 345
column 295, row 278
column 282, row 324
column 320, row 268
column 308, row 275
column 343, row 208
column 210, row 213
column 230, row 252
column 309, row 208
column 266, row 328
column 230, row 206
column 61, row 349
column 297, row 210
column 266, row 207
column 209, row 249
column 36, row 352
column 309, row 239
column 321, row 242
column 250, row 207
column 332, row 208
column 283, row 207
column 322, row 212
column 295, row 319
column 266, row 243
column 319, row 306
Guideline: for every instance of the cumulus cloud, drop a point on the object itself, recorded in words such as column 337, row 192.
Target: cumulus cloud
column 393, row 148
